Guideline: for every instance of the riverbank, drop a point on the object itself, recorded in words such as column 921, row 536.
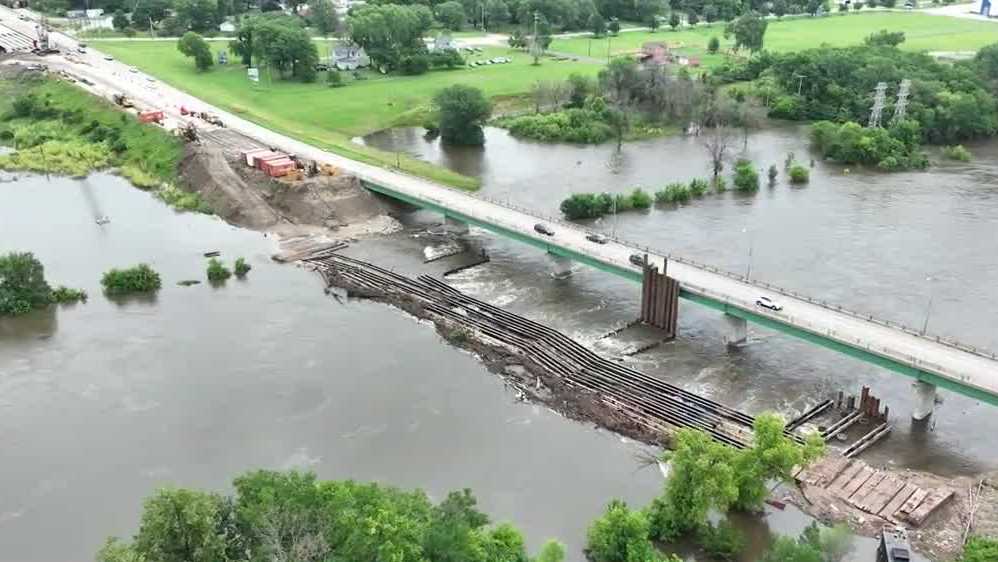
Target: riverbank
column 55, row 127
column 59, row 129
column 330, row 118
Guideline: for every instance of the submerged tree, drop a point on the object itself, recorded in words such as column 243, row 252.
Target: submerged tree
column 463, row 110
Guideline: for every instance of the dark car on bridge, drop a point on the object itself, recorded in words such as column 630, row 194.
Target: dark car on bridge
column 544, row 229
column 597, row 238
column 637, row 259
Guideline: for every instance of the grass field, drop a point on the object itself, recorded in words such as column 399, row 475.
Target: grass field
column 330, row 117
column 923, row 32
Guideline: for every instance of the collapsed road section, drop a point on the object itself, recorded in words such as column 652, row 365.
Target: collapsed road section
column 576, row 381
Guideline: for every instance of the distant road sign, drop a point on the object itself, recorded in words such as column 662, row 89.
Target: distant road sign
column 253, row 74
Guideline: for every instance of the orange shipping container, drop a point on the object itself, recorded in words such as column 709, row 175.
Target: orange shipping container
column 278, row 168
column 150, row 116
column 250, row 155
column 258, row 159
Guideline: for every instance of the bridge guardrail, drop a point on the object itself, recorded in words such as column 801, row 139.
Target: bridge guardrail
column 858, row 343
column 942, row 340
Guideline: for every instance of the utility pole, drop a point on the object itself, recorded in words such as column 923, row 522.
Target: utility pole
column 800, row 83
column 483, row 17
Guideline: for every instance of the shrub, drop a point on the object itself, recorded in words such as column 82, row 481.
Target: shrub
column 720, row 184
column 851, row 143
column 334, row 79
column 980, row 549
column 746, row 178
column 957, row 152
column 713, row 45
column 699, row 187
column 620, row 535
column 414, row 63
column 673, row 193
column 722, row 542
column 22, row 284
column 138, row 279
column 217, row 272
column 447, row 58
column 586, row 126
column 799, row 174
column 640, row 199
column 183, row 200
column 241, row 268
column 65, row 295
column 587, row 205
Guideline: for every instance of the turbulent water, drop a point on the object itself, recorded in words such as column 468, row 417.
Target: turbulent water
column 886, row 244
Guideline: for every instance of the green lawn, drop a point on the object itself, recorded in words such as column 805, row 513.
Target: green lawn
column 329, row 117
column 923, row 32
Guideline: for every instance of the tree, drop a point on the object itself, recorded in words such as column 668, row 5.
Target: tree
column 579, row 88
column 674, row 20
column 713, row 45
column 648, row 11
column 181, row 525
column 552, row 551
column 834, row 543
column 702, row 478
column 717, row 141
column 324, row 17
column 773, row 455
column 22, row 284
column 463, row 110
column 451, row 15
column 502, row 544
column 653, row 22
column 986, row 62
column 450, row 537
column 390, row 32
column 281, row 42
column 193, row 45
column 497, row 12
column 619, row 120
column 120, row 21
column 785, row 549
column 613, row 27
column 597, row 25
column 150, row 11
column 779, row 8
column 619, row 79
column 116, row 551
column 197, row 15
column 885, row 38
column 748, row 30
column 620, row 535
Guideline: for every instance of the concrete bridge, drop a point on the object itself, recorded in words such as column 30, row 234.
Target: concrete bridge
column 931, row 361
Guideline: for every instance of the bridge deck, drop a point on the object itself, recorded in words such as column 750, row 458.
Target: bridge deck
column 958, row 368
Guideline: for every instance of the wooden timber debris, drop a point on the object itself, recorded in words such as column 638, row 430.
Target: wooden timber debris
column 878, row 492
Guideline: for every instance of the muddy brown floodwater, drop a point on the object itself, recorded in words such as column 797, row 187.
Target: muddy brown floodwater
column 879, row 243
column 101, row 403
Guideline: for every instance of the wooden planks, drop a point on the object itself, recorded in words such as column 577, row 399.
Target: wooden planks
column 878, row 492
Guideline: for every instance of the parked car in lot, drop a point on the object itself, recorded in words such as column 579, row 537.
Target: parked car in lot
column 544, row 229
column 597, row 238
column 769, row 303
column 108, row 57
column 638, row 259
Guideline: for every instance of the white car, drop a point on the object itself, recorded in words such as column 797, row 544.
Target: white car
column 769, row 303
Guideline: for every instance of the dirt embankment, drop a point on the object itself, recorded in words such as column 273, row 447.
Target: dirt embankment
column 336, row 206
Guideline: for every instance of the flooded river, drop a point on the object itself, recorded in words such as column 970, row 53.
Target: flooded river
column 879, row 243
column 103, row 402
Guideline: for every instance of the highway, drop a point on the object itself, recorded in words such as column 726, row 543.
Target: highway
column 958, row 368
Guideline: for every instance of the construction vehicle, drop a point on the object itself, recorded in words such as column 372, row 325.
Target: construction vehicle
column 189, row 132
column 122, row 100
column 213, row 119
column 41, row 43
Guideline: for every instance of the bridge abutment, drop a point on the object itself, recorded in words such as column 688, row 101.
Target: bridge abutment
column 925, row 400
column 735, row 330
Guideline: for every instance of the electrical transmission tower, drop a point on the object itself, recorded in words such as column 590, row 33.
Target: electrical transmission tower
column 902, row 104
column 878, row 104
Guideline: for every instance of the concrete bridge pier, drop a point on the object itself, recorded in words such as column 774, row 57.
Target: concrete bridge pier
column 455, row 226
column 562, row 268
column 925, row 400
column 735, row 330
